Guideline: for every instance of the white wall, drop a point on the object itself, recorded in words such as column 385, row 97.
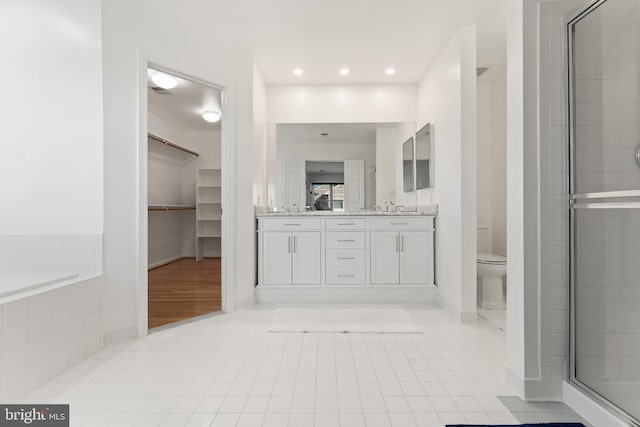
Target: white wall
column 51, row 108
column 484, row 157
column 447, row 99
column 260, row 143
column 341, row 104
column 327, row 152
column 491, row 161
column 499, row 165
column 130, row 29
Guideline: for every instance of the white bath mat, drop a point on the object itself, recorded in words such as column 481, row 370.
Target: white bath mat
column 343, row 318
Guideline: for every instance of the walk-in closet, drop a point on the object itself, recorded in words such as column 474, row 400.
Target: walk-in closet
column 184, row 199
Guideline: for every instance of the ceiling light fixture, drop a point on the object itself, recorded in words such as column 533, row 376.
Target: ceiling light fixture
column 211, row 116
column 390, row 71
column 165, row 81
column 297, row 72
column 344, row 71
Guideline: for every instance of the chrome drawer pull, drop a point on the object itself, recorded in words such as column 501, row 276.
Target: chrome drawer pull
column 346, row 275
column 347, row 223
column 341, row 257
column 399, row 223
column 288, row 225
column 346, row 240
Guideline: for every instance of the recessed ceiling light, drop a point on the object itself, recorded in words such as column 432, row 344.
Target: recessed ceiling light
column 165, row 81
column 211, row 116
column 390, row 71
column 344, row 71
column 297, row 72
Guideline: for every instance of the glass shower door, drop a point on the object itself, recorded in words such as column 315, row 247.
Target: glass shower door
column 604, row 57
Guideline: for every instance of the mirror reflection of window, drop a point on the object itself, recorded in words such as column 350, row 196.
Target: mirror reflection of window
column 423, row 157
column 328, row 197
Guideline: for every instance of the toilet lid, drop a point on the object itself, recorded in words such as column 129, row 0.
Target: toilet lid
column 486, row 258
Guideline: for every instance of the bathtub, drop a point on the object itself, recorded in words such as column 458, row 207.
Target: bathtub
column 48, row 323
column 11, row 284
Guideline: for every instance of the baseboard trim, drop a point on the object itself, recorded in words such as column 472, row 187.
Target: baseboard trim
column 120, row 335
column 245, row 303
column 534, row 389
column 167, row 261
column 588, row 408
column 396, row 294
column 464, row 317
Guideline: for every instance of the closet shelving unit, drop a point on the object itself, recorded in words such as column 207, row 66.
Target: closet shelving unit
column 164, row 147
column 208, row 209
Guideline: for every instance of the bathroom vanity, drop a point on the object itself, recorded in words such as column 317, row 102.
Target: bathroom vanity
column 326, row 256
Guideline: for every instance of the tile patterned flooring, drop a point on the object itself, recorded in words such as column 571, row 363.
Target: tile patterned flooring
column 228, row 370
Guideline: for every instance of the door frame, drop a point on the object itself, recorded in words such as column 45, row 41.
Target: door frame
column 227, row 246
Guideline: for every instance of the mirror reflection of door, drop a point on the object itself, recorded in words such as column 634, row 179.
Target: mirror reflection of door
column 423, row 157
column 407, row 165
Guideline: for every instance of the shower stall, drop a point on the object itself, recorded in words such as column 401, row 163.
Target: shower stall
column 604, row 201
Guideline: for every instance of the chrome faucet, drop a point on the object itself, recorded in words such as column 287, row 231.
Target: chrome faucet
column 294, row 207
column 399, row 208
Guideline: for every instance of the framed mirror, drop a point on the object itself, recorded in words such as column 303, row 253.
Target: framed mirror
column 407, row 165
column 424, row 158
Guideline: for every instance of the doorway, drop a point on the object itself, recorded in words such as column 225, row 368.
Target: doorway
column 185, row 197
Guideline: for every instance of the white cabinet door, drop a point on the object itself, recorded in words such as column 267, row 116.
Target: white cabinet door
column 415, row 257
column 276, row 258
column 296, row 183
column 384, row 257
column 306, row 257
column 353, row 185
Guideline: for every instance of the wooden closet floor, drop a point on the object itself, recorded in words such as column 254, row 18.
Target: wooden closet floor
column 183, row 289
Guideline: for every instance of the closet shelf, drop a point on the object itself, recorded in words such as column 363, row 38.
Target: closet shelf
column 171, row 207
column 173, row 145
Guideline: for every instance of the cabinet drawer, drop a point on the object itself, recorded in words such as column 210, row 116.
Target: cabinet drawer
column 345, row 276
column 345, row 223
column 401, row 223
column 345, row 239
column 290, row 224
column 345, row 259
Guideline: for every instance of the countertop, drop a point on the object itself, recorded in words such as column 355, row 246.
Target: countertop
column 423, row 211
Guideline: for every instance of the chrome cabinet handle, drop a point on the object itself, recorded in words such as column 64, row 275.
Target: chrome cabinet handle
column 290, row 225
column 399, row 223
column 346, row 240
column 347, row 223
column 346, row 275
column 340, row 257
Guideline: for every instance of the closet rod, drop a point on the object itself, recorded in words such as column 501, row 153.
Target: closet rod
column 171, row 208
column 171, row 144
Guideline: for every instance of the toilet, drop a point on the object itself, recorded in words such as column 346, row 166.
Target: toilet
column 490, row 271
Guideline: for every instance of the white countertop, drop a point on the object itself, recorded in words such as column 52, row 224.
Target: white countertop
column 431, row 210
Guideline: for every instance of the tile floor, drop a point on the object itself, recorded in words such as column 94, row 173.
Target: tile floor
column 227, row 370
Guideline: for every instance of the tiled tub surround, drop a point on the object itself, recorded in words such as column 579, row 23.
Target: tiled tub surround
column 51, row 253
column 47, row 330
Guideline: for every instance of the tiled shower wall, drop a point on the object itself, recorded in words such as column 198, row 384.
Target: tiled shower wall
column 51, row 253
column 553, row 188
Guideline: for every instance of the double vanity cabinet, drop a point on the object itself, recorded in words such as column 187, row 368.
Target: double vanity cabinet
column 332, row 251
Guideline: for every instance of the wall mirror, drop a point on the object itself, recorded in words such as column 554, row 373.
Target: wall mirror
column 407, row 165
column 424, row 158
